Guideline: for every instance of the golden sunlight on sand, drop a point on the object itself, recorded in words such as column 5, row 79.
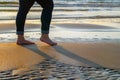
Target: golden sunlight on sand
column 17, row 57
column 94, row 54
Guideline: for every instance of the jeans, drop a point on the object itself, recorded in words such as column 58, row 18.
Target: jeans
column 24, row 7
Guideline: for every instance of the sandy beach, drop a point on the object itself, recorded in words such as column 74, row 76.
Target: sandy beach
column 80, row 45
column 88, row 37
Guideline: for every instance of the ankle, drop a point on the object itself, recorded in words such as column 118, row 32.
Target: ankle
column 20, row 37
column 44, row 36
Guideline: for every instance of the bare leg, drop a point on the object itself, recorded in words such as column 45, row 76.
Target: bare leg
column 45, row 38
column 21, row 41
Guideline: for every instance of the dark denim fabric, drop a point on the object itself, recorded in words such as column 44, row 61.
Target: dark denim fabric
column 24, row 7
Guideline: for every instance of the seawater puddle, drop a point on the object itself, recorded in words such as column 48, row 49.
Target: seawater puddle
column 69, row 32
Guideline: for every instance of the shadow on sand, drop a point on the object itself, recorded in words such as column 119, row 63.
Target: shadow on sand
column 64, row 52
column 75, row 57
column 35, row 49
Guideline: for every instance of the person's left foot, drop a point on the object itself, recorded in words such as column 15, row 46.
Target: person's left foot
column 48, row 41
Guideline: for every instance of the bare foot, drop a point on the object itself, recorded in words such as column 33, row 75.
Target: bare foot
column 24, row 42
column 48, row 41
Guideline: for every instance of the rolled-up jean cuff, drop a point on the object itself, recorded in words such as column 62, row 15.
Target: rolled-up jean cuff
column 45, row 32
column 19, row 32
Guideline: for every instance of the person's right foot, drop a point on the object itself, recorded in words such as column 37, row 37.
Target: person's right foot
column 24, row 42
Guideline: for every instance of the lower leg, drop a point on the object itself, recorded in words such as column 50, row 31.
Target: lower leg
column 24, row 7
column 45, row 20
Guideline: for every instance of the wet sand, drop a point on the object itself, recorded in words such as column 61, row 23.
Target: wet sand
column 20, row 59
column 95, row 54
column 17, row 57
column 70, row 50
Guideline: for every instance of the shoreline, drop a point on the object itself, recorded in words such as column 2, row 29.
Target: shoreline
column 84, row 31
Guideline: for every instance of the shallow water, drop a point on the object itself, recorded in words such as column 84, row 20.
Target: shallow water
column 76, row 0
column 68, row 9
